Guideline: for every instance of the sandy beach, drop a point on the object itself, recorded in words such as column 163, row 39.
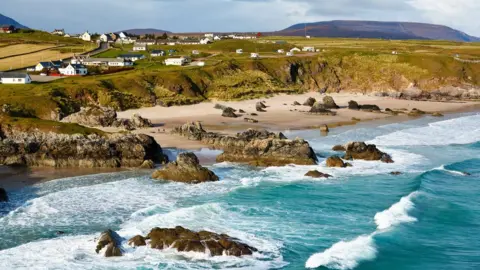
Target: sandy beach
column 281, row 115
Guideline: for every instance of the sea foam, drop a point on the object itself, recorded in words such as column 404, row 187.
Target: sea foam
column 397, row 213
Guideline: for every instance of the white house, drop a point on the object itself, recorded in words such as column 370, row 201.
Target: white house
column 74, row 70
column 59, row 32
column 205, row 41
column 282, row 51
column 177, row 61
column 139, row 48
column 111, row 62
column 14, row 78
column 308, row 49
column 394, row 52
column 308, row 36
column 157, row 53
column 254, row 55
column 295, row 50
column 148, row 42
column 209, row 35
column 122, row 35
column 86, row 37
column 105, row 38
column 200, row 63
column 131, row 57
column 216, row 38
column 48, row 65
column 239, row 51
column 289, row 53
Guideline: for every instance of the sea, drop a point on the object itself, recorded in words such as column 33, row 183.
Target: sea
column 427, row 218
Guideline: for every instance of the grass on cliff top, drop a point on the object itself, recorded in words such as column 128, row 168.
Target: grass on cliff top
column 30, row 124
column 38, row 37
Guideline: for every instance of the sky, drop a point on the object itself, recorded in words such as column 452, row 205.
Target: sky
column 77, row 16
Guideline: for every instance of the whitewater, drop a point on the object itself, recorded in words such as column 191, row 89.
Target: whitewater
column 362, row 218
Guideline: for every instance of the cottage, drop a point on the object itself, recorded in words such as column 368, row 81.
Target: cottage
column 157, row 53
column 148, row 42
column 78, row 59
column 205, row 41
column 59, row 32
column 86, row 36
column 289, row 53
column 131, row 57
column 254, row 55
column 282, row 51
column 111, row 62
column 176, row 61
column 216, row 38
column 239, row 51
column 209, row 35
column 308, row 49
column 66, row 35
column 295, row 50
column 7, row 29
column 48, row 65
column 73, row 70
column 14, row 78
column 188, row 42
column 139, row 48
column 105, row 38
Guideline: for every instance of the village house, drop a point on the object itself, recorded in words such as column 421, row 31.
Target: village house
column 209, row 35
column 205, row 41
column 289, row 53
column 308, row 49
column 295, row 50
column 157, row 53
column 217, row 38
column 131, row 57
column 139, row 48
column 73, row 70
column 282, row 51
column 66, row 35
column 188, row 42
column 105, row 38
column 59, row 32
column 148, row 42
column 124, row 39
column 86, row 36
column 177, row 61
column 254, row 55
column 78, row 59
column 48, row 65
column 7, row 29
column 14, row 78
column 239, row 51
column 111, row 62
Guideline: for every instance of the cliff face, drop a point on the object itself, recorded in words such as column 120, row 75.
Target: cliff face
column 47, row 149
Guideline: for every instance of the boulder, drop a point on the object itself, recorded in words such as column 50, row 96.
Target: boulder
column 324, row 128
column 395, row 173
column 140, row 122
column 220, row 107
column 317, row 174
column 229, row 112
column 296, row 103
column 370, row 107
column 147, row 164
column 329, row 103
column 353, row 105
column 319, row 108
column 255, row 147
column 437, row 114
column 110, row 242
column 309, row 102
column 362, row 151
column 186, row 169
column 250, row 120
column 241, row 111
column 137, row 241
column 185, row 240
column 3, row 195
column 93, row 116
column 335, row 162
column 260, row 107
column 339, row 148
column 416, row 112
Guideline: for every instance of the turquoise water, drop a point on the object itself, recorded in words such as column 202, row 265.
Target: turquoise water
column 362, row 218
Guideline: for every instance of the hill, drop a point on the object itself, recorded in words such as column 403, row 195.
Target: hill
column 9, row 21
column 144, row 31
column 374, row 29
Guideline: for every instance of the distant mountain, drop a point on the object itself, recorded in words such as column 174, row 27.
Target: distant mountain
column 145, row 31
column 373, row 29
column 4, row 20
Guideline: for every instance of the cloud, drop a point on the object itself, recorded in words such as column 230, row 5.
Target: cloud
column 232, row 15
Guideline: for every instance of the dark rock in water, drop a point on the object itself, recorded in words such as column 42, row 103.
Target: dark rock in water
column 416, row 112
column 339, row 148
column 466, row 173
column 185, row 240
column 241, row 111
column 260, row 107
column 137, row 241
column 369, row 107
column 348, row 164
column 319, row 108
column 186, row 169
column 296, row 103
column 353, row 105
column 317, row 174
column 329, row 103
column 3, row 195
column 250, row 120
column 360, row 150
column 396, row 173
column 220, row 107
column 324, row 128
column 112, row 242
column 335, row 162
column 309, row 102
column 255, row 147
column 229, row 112
column 60, row 232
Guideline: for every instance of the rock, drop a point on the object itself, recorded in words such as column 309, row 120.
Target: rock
column 255, row 147
column 220, row 107
column 395, row 173
column 335, row 162
column 229, row 112
column 254, row 114
column 309, row 102
column 319, row 108
column 339, row 148
column 437, row 114
column 353, row 105
column 317, row 174
column 112, row 242
column 137, row 241
column 35, row 148
column 3, row 195
column 329, row 103
column 185, row 240
column 260, row 107
column 147, row 164
column 466, row 173
column 241, row 111
column 59, row 232
column 93, row 116
column 370, row 107
column 324, row 128
column 140, row 122
column 416, row 112
column 356, row 119
column 186, row 169
column 390, row 111
column 250, row 120
column 360, row 150
column 296, row 103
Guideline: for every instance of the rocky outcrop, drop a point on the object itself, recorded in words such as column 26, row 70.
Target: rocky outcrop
column 319, row 108
column 96, row 116
column 47, row 149
column 317, row 174
column 110, row 244
column 339, row 148
column 260, row 107
column 189, row 241
column 186, row 169
column 416, row 112
column 329, row 103
column 229, row 112
column 335, row 162
column 255, row 147
column 309, row 102
column 137, row 241
column 360, row 150
column 3, row 195
column 353, row 105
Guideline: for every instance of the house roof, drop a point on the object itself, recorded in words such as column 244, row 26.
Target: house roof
column 158, row 51
column 46, row 64
column 103, row 60
column 57, row 63
column 130, row 55
column 13, row 75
